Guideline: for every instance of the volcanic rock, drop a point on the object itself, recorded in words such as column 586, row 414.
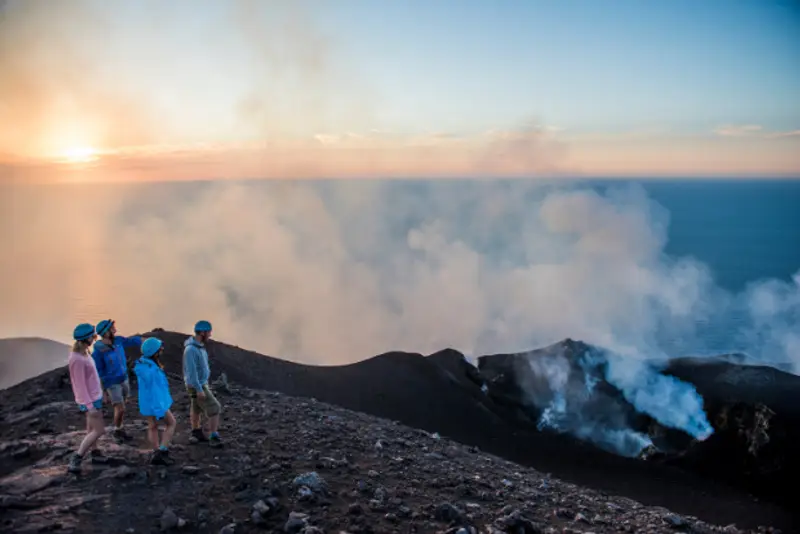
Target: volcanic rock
column 272, row 439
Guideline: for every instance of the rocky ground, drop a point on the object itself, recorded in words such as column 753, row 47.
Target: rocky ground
column 288, row 465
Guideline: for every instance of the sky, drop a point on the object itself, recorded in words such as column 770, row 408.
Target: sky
column 150, row 90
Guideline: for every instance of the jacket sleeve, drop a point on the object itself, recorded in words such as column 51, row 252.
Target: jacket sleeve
column 145, row 390
column 192, row 356
column 133, row 341
column 77, row 375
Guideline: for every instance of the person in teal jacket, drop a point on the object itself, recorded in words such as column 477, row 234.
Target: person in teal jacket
column 155, row 400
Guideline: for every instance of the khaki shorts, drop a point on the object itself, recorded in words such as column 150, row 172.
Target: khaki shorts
column 119, row 393
column 210, row 406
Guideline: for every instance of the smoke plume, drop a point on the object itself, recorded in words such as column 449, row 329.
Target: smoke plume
column 333, row 272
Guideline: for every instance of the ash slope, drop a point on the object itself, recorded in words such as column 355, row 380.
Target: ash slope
column 376, row 476
column 24, row 357
column 442, row 393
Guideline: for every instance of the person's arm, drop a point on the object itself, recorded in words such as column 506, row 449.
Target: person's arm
column 99, row 363
column 78, row 375
column 133, row 341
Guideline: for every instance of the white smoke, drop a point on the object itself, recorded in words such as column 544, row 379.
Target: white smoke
column 335, row 272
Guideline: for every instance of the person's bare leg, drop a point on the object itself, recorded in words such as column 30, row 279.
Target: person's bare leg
column 213, row 423
column 119, row 414
column 194, row 418
column 152, row 431
column 97, row 428
column 169, row 430
column 89, row 429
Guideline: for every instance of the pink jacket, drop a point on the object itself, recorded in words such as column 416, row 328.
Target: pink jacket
column 84, row 378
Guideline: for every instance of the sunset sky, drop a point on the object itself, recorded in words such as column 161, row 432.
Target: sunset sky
column 154, row 90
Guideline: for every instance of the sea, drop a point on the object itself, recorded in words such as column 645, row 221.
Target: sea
column 265, row 250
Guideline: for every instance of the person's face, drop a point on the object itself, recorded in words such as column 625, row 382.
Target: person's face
column 109, row 335
column 205, row 336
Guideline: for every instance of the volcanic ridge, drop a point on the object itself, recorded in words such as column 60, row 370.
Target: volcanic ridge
column 566, row 438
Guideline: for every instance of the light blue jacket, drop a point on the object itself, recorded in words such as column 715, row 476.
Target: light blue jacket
column 154, row 396
column 196, row 371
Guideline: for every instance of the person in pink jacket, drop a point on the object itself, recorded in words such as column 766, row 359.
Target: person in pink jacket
column 87, row 390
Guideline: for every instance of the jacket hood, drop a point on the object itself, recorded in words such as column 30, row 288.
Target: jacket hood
column 100, row 346
column 143, row 362
column 192, row 341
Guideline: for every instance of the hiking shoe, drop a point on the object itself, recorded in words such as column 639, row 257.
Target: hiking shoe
column 215, row 441
column 98, row 457
column 197, row 436
column 120, row 436
column 75, row 463
column 161, row 458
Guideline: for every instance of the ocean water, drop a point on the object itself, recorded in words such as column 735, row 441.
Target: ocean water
column 335, row 271
column 744, row 230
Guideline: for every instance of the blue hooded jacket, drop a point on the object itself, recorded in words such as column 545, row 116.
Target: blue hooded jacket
column 154, row 395
column 195, row 364
column 112, row 366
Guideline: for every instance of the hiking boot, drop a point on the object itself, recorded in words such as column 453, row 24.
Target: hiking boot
column 120, row 436
column 161, row 457
column 215, row 441
column 75, row 463
column 197, row 436
column 98, row 457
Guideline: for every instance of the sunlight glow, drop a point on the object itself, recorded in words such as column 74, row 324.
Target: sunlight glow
column 79, row 154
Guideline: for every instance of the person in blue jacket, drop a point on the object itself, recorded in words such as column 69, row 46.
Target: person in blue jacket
column 196, row 373
column 112, row 366
column 155, row 400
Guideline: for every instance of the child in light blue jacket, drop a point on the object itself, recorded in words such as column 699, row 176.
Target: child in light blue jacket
column 155, row 400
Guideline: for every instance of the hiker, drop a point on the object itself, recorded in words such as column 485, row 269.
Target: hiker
column 88, row 392
column 112, row 366
column 155, row 400
column 196, row 373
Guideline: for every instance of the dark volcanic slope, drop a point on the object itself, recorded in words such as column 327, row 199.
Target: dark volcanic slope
column 755, row 411
column 428, row 393
column 288, row 466
column 25, row 357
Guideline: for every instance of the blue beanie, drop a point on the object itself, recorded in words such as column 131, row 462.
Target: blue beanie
column 83, row 332
column 202, row 326
column 151, row 346
column 104, row 326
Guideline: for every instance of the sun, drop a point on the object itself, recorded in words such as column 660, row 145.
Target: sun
column 79, row 154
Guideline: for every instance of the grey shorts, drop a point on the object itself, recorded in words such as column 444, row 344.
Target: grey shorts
column 119, row 392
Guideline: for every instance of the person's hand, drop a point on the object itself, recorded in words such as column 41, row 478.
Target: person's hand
column 201, row 395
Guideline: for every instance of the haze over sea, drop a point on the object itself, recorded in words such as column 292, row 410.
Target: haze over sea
column 332, row 271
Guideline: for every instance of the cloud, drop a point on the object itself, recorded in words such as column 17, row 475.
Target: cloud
column 753, row 130
column 738, row 130
column 780, row 135
column 525, row 151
